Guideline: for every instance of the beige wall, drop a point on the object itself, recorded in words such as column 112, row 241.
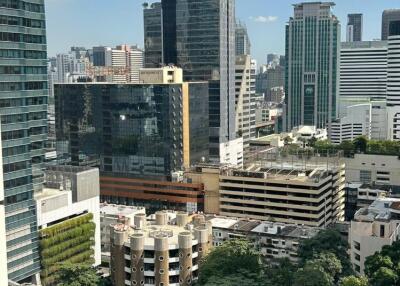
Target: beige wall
column 209, row 177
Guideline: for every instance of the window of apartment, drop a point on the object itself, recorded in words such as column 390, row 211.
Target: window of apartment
column 365, row 176
column 357, row 256
column 382, row 230
column 357, row 245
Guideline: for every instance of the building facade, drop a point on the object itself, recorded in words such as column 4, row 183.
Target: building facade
column 388, row 16
column 356, row 123
column 393, row 77
column 199, row 37
column 245, row 99
column 242, row 39
column 153, row 194
column 23, row 110
column 68, row 215
column 312, row 69
column 262, row 192
column 372, row 228
column 363, row 73
column 153, row 35
column 160, row 252
column 111, row 214
column 136, row 130
column 354, row 28
column 374, row 169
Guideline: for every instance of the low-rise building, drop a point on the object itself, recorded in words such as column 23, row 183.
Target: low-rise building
column 113, row 214
column 275, row 240
column 374, row 169
column 372, row 228
column 359, row 195
column 68, row 218
column 231, row 152
column 164, row 252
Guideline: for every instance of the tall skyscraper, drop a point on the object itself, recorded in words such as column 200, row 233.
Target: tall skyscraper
column 242, row 39
column 393, row 79
column 199, row 37
column 363, row 68
column 23, row 112
column 387, row 17
column 312, row 54
column 245, row 88
column 153, row 35
column 354, row 27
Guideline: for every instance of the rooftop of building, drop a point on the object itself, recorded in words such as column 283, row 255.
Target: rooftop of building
column 48, row 193
column 364, row 45
column 69, row 168
column 262, row 227
column 380, row 209
column 120, row 210
column 152, row 228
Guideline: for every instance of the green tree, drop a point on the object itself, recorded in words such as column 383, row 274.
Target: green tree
column 360, row 144
column 322, row 270
column 384, row 277
column 280, row 273
column 310, row 275
column 375, row 262
column 231, row 258
column 329, row 240
column 236, row 279
column 77, row 275
column 354, row 281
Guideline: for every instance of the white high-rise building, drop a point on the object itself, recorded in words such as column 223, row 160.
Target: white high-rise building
column 244, row 101
column 356, row 123
column 136, row 60
column 362, row 73
column 393, row 86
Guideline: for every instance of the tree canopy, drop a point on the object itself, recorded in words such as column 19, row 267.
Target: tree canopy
column 77, row 275
column 233, row 257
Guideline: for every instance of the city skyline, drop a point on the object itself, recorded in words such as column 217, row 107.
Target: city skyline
column 264, row 19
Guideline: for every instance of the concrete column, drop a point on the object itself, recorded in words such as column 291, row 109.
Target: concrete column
column 118, row 237
column 198, row 220
column 137, row 258
column 182, row 219
column 140, row 221
column 161, row 218
column 161, row 259
column 201, row 233
column 185, row 258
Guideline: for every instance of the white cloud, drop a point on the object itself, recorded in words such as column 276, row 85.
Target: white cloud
column 264, row 19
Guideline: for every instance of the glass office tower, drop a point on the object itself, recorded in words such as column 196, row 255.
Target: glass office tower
column 23, row 111
column 138, row 130
column 153, row 37
column 312, row 54
column 199, row 37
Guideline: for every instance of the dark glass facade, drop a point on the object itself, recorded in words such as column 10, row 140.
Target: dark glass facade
column 137, row 130
column 199, row 37
column 356, row 23
column 153, row 35
column 23, row 113
column 389, row 16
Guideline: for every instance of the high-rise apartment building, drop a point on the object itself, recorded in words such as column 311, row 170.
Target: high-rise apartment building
column 153, row 35
column 354, row 27
column 312, row 72
column 245, row 98
column 363, row 73
column 242, row 39
column 23, row 111
column 389, row 16
column 199, row 37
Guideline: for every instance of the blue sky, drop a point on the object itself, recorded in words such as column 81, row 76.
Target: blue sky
column 111, row 22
